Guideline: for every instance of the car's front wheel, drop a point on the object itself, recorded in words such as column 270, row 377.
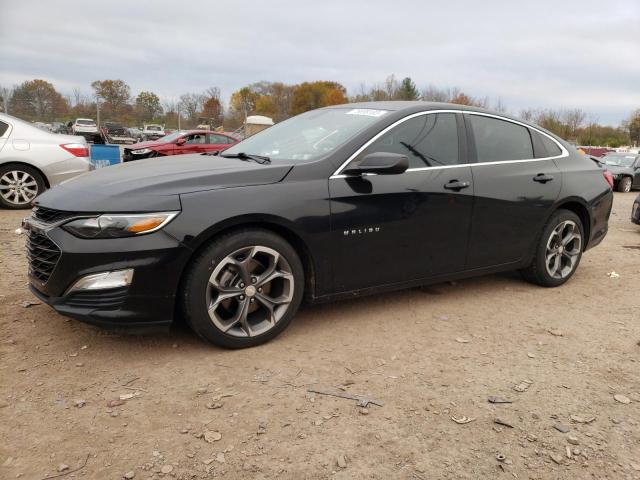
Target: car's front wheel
column 19, row 186
column 558, row 251
column 624, row 185
column 243, row 289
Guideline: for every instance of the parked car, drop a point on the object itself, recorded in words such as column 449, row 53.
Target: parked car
column 86, row 128
column 635, row 211
column 32, row 160
column 152, row 132
column 114, row 132
column 135, row 133
column 334, row 203
column 179, row 143
column 625, row 168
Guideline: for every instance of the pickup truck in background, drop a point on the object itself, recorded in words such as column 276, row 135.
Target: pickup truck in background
column 116, row 133
column 152, row 131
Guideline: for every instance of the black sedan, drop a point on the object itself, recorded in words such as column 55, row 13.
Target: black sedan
column 625, row 168
column 334, row 203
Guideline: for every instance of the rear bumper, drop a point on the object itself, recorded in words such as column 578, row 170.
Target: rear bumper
column 635, row 212
column 600, row 213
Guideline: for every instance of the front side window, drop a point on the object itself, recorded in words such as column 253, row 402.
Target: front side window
column 427, row 140
column 195, row 139
column 500, row 140
column 3, row 128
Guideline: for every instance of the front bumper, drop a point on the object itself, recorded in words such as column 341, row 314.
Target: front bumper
column 635, row 212
column 148, row 303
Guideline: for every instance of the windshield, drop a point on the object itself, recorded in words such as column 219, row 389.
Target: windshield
column 619, row 160
column 89, row 123
column 172, row 137
column 308, row 136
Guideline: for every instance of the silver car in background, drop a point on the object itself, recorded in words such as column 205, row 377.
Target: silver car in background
column 32, row 160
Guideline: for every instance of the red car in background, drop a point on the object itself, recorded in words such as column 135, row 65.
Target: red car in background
column 179, row 143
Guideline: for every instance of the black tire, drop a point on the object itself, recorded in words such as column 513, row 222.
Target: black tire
column 196, row 287
column 624, row 185
column 538, row 272
column 6, row 174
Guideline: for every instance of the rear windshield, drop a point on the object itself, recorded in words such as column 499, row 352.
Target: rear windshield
column 89, row 123
column 154, row 128
column 619, row 160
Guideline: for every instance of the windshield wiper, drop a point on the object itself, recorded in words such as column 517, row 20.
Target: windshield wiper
column 248, row 156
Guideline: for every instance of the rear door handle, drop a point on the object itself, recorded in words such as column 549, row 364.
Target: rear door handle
column 456, row 185
column 542, row 178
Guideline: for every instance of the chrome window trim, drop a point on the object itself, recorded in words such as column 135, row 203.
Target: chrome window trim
column 564, row 152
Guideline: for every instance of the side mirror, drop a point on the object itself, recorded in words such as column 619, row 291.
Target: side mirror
column 381, row 163
column 180, row 141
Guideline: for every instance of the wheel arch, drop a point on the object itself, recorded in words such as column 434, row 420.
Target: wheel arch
column 17, row 162
column 580, row 208
column 277, row 225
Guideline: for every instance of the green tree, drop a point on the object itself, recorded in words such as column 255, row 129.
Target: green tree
column 148, row 106
column 634, row 127
column 407, row 90
column 37, row 100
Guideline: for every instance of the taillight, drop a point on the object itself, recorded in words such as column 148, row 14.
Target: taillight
column 76, row 149
column 608, row 177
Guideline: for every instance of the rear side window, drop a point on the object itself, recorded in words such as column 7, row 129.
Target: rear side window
column 499, row 140
column 3, row 128
column 218, row 139
column 551, row 147
column 428, row 140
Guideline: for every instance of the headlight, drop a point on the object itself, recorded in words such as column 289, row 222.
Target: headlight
column 118, row 226
column 142, row 151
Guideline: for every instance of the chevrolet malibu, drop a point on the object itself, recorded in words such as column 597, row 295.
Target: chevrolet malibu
column 334, row 203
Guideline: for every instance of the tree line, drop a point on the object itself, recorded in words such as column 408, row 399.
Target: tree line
column 38, row 100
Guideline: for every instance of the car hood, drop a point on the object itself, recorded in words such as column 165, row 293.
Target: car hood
column 618, row 169
column 148, row 144
column 154, row 184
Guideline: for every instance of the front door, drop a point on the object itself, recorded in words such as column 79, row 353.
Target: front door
column 395, row 228
column 514, row 190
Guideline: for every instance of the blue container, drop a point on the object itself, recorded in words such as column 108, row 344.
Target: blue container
column 105, row 155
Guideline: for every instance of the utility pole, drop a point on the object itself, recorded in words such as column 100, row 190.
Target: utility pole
column 178, row 116
column 98, row 111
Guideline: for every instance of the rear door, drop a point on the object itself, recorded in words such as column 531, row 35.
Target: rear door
column 516, row 183
column 216, row 142
column 388, row 229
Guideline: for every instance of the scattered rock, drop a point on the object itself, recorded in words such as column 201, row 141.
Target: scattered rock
column 618, row 397
column 493, row 399
column 341, row 461
column 115, row 403
column 129, row 475
column 573, row 440
column 501, row 457
column 7, row 462
column 557, row 458
column 555, row 332
column 80, row 403
column 522, row 386
column 62, row 467
column 462, row 420
column 213, row 405
column 561, row 428
column 616, row 420
column 531, row 355
column 580, row 419
column 364, row 411
column 220, row 458
column 28, row 303
column 129, row 396
column 462, row 340
column 166, row 469
column 212, row 436
column 500, row 421
column 613, row 275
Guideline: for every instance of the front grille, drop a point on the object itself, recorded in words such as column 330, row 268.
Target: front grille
column 49, row 215
column 109, row 299
column 43, row 255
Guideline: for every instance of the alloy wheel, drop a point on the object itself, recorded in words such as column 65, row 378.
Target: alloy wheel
column 249, row 291
column 563, row 249
column 18, row 187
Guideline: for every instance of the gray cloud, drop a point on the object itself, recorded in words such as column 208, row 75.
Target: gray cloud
column 543, row 54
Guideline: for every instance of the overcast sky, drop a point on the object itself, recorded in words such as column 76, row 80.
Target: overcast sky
column 540, row 54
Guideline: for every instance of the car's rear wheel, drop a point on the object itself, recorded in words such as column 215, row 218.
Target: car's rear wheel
column 624, row 185
column 19, row 186
column 243, row 289
column 558, row 251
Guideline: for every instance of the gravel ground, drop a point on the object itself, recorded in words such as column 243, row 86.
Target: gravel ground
column 430, row 355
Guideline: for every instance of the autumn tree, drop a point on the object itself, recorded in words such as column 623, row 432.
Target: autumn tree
column 310, row 95
column 114, row 96
column 634, row 127
column 37, row 100
column 148, row 106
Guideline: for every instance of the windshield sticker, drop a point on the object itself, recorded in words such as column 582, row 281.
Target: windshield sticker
column 368, row 112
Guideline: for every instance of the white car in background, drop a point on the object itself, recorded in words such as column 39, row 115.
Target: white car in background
column 32, row 160
column 152, row 131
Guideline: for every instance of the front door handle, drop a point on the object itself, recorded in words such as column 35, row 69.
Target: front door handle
column 542, row 178
column 456, row 185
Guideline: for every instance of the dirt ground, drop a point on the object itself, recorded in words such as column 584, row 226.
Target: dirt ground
column 429, row 355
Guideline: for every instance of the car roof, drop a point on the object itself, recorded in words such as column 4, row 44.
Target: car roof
column 400, row 105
